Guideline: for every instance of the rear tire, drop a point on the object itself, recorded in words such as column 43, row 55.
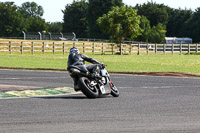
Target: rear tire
column 87, row 89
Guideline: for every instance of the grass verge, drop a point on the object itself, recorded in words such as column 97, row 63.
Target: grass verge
column 116, row 63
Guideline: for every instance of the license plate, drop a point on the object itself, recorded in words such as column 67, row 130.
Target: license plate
column 103, row 90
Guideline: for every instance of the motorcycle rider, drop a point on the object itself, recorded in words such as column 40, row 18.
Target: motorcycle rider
column 77, row 59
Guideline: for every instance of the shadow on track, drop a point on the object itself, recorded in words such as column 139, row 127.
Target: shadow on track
column 63, row 97
column 68, row 97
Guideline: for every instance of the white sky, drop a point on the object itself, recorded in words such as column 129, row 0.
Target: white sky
column 53, row 13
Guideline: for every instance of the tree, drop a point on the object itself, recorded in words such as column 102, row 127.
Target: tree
column 55, row 27
column 193, row 27
column 31, row 9
column 32, row 12
column 122, row 23
column 155, row 13
column 145, row 26
column 158, row 34
column 75, row 18
column 176, row 26
column 96, row 9
column 12, row 22
column 35, row 24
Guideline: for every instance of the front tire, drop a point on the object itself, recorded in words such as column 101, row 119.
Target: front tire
column 114, row 90
column 87, row 89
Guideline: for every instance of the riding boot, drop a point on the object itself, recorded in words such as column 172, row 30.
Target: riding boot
column 76, row 87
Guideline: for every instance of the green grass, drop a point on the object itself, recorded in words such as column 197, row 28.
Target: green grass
column 34, row 61
column 116, row 63
column 154, row 63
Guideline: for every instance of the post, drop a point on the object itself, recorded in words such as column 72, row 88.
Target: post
column 74, row 38
column 63, row 48
column 147, row 49
column 188, row 48
column 156, row 48
column 53, row 48
column 197, row 48
column 50, row 38
column 10, row 47
column 102, row 49
column 61, row 34
column 112, row 48
column 43, row 48
column 83, row 47
column 130, row 49
column 43, row 35
column 93, row 48
column 24, row 35
column 164, row 48
column 21, row 47
column 32, row 48
column 181, row 49
column 172, row 49
column 138, row 48
column 120, row 48
column 40, row 35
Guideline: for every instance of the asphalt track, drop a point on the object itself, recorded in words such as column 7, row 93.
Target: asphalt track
column 146, row 104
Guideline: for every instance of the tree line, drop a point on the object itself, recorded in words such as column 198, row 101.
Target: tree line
column 104, row 19
column 27, row 17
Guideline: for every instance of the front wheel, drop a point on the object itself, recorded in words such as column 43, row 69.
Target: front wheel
column 114, row 90
column 87, row 89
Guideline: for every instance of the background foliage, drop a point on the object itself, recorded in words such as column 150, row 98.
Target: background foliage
column 75, row 18
column 122, row 23
column 157, row 20
column 96, row 8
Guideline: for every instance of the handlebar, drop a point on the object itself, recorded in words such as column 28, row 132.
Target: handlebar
column 103, row 65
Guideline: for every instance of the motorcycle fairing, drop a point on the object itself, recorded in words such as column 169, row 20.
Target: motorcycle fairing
column 105, row 89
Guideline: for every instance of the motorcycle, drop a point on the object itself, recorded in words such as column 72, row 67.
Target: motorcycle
column 91, row 86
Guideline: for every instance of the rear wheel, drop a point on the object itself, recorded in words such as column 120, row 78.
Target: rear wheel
column 87, row 89
column 114, row 90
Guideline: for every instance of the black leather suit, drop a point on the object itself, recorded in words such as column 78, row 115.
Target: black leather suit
column 79, row 61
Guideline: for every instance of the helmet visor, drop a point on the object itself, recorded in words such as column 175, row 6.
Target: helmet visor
column 74, row 50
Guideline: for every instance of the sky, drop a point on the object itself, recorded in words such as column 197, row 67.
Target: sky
column 53, row 8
